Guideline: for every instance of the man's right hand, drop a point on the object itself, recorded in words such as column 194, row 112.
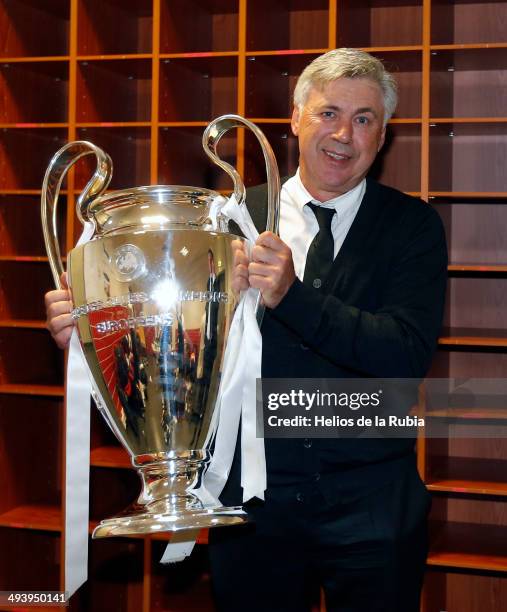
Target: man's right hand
column 58, row 318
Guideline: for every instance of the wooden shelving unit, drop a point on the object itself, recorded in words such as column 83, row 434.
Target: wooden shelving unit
column 141, row 78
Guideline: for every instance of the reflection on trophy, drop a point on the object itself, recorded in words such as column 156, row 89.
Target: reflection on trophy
column 153, row 304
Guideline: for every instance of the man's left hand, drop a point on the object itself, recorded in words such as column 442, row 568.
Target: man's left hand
column 271, row 269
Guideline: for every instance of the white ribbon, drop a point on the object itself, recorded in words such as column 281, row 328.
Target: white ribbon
column 236, row 399
column 77, row 458
column 237, row 392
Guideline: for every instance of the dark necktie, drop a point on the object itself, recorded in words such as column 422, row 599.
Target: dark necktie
column 321, row 251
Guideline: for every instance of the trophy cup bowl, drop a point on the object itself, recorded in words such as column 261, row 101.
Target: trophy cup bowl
column 153, row 302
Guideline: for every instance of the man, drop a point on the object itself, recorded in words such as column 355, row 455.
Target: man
column 348, row 515
column 354, row 286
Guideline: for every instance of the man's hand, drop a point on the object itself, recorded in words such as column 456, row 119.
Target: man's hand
column 240, row 268
column 271, row 269
column 58, row 318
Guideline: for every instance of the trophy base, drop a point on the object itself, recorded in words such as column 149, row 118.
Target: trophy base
column 137, row 520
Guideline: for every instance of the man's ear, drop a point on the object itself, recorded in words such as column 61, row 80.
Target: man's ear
column 382, row 139
column 294, row 122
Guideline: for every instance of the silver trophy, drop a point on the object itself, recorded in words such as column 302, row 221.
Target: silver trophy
column 153, row 302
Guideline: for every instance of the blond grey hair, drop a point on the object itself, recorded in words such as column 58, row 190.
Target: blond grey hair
column 351, row 63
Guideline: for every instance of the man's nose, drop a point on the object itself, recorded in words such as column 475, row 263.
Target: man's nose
column 343, row 131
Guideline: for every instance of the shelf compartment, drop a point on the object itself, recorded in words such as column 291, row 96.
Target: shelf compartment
column 107, row 27
column 399, row 161
column 467, row 22
column 197, row 89
column 16, row 297
column 182, row 160
column 465, row 157
column 468, row 546
column 39, row 553
column 192, row 26
column 19, row 144
column 20, row 226
column 466, row 471
column 115, row 577
column 476, row 303
column 285, row 148
column 128, row 147
column 470, row 362
column 31, row 486
column 293, row 24
column 468, row 475
column 180, row 586
column 113, row 91
column 366, row 23
column 19, row 77
column 463, row 591
column 468, row 83
column 406, row 67
column 34, row 28
column 29, row 357
column 270, row 82
column 474, row 230
column 122, row 486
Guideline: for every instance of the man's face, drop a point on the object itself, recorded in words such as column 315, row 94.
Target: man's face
column 340, row 131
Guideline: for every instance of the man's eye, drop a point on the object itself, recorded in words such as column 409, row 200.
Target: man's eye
column 329, row 114
column 362, row 120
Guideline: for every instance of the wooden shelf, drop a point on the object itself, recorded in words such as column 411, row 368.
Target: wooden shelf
column 110, row 456
column 23, row 192
column 22, row 59
column 478, row 269
column 27, row 324
column 397, row 49
column 468, row 546
column 468, row 487
column 468, row 414
column 112, row 124
column 114, row 56
column 45, row 518
column 468, row 194
column 464, row 475
column 202, row 538
column 279, row 52
column 43, row 390
column 24, row 258
column 462, row 47
column 487, row 338
column 198, row 54
column 35, row 126
column 436, row 120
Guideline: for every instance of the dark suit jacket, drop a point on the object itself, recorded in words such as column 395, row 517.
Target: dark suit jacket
column 378, row 314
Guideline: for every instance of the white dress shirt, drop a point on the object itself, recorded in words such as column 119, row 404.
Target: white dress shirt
column 298, row 225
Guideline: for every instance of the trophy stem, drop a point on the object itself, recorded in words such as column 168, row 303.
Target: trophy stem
column 167, row 501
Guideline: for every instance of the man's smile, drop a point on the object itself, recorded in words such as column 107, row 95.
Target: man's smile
column 336, row 156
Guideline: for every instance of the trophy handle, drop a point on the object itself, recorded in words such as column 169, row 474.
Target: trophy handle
column 58, row 167
column 212, row 134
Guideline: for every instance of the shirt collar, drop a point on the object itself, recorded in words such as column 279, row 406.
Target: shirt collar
column 345, row 204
